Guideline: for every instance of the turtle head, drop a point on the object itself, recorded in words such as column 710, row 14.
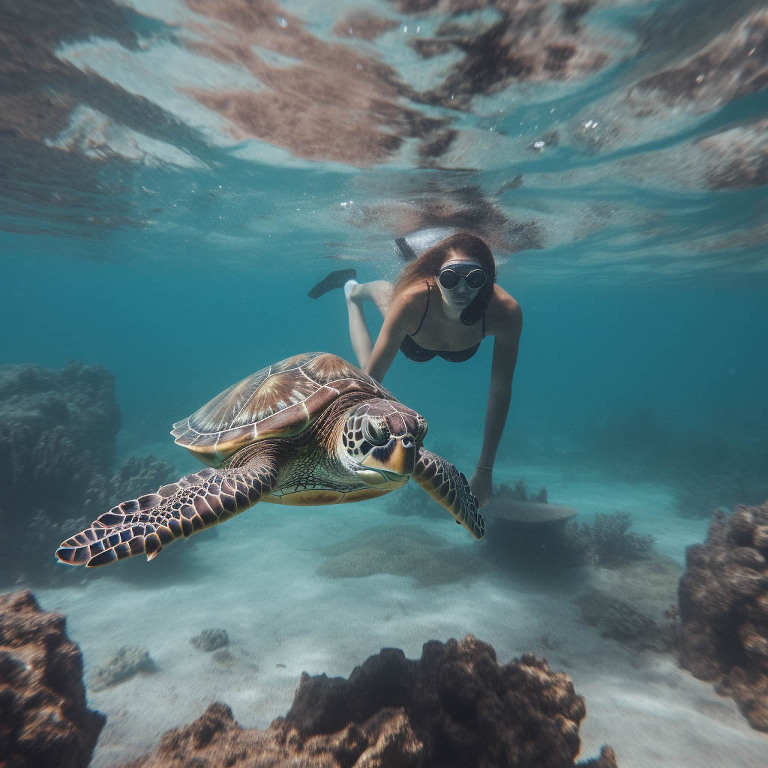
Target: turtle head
column 382, row 439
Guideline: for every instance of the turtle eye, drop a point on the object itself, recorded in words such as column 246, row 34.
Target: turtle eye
column 374, row 435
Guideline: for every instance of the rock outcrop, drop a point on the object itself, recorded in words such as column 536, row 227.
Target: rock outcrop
column 44, row 719
column 59, row 432
column 723, row 609
column 454, row 707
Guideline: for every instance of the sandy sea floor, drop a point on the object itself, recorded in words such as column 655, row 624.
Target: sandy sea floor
column 257, row 578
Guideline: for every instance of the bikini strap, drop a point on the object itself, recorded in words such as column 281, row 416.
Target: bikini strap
column 426, row 309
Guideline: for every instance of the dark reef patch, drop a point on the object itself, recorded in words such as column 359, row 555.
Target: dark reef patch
column 723, row 609
column 56, row 462
column 44, row 718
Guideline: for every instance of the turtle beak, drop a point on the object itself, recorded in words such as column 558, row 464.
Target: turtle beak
column 397, row 456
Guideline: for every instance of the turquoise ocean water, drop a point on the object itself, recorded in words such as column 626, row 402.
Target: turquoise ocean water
column 178, row 176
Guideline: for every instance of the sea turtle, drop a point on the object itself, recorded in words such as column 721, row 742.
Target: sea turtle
column 309, row 430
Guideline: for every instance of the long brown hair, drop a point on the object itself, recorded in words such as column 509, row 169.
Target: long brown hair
column 427, row 267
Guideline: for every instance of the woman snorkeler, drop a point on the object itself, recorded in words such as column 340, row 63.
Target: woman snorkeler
column 444, row 303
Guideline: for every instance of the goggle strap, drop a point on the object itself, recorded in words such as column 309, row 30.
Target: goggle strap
column 406, row 252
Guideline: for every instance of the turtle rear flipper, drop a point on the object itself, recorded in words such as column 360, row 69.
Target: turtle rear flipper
column 450, row 488
column 146, row 524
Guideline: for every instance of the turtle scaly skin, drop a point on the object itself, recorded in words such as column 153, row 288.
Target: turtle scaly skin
column 146, row 524
column 449, row 487
column 310, row 430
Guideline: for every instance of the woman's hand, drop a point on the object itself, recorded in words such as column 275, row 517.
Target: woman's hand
column 481, row 484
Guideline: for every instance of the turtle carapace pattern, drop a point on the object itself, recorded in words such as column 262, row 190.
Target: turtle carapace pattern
column 309, row 430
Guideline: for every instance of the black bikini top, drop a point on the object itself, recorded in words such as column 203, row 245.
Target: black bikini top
column 419, row 354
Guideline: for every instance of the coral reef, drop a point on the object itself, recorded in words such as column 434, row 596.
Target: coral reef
column 78, row 398
column 127, row 662
column 454, row 707
column 635, row 603
column 60, row 429
column 607, row 543
column 723, row 610
column 224, row 657
column 401, row 551
column 520, row 492
column 210, row 640
column 529, row 534
column 622, row 621
column 44, row 720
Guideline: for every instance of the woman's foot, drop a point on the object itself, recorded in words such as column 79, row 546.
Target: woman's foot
column 349, row 286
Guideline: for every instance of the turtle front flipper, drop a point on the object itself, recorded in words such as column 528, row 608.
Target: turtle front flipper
column 146, row 524
column 449, row 487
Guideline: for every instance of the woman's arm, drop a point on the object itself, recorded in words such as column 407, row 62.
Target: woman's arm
column 506, row 324
column 402, row 316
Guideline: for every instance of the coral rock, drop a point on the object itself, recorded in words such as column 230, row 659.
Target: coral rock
column 760, row 538
column 607, row 759
column 618, row 619
column 127, row 662
column 454, row 707
column 607, row 543
column 723, row 599
column 59, row 432
column 210, row 640
column 44, row 720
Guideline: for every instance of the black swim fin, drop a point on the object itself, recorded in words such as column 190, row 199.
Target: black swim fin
column 335, row 279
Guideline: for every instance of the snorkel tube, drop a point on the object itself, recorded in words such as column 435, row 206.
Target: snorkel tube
column 410, row 247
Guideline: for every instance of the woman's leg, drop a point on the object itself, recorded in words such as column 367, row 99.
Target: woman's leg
column 380, row 293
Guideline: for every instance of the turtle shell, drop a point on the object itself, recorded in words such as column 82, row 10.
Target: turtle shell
column 278, row 401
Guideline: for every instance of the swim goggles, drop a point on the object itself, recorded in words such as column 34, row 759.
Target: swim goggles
column 475, row 276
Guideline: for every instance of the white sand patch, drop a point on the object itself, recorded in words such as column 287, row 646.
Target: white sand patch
column 257, row 579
